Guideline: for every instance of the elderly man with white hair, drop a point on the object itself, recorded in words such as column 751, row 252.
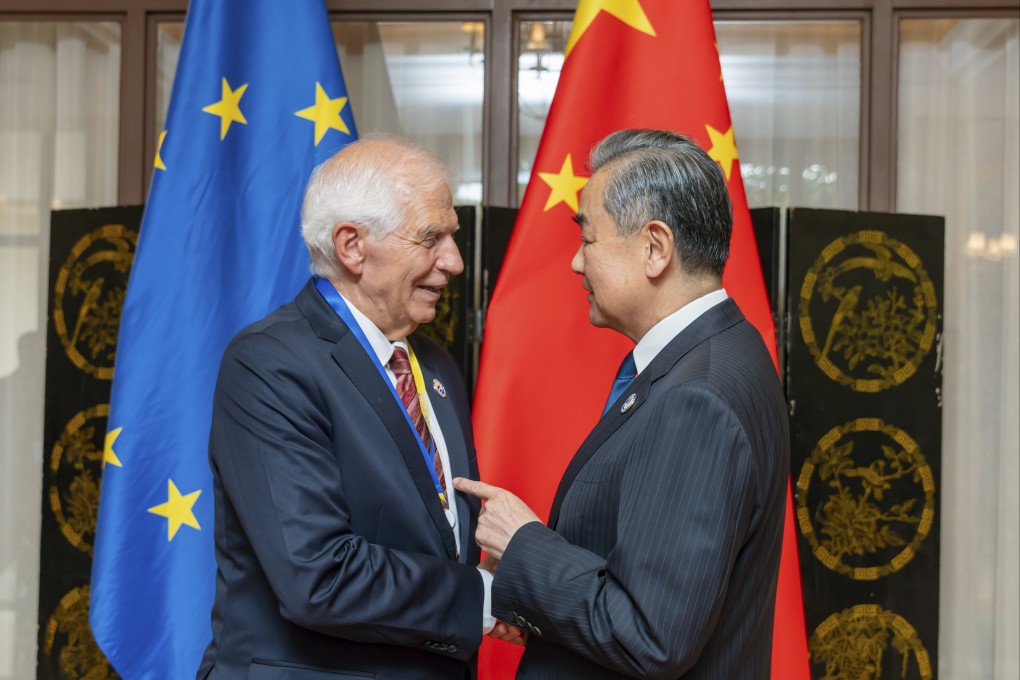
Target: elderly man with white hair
column 341, row 551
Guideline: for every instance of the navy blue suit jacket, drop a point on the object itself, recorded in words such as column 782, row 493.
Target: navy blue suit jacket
column 663, row 552
column 334, row 556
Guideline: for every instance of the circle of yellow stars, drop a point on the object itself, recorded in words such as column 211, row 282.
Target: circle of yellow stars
column 178, row 508
column 325, row 113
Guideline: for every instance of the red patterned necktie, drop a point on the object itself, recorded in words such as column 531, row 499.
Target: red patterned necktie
column 408, row 393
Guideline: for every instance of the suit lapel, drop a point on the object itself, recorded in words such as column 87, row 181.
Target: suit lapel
column 714, row 321
column 359, row 367
column 454, row 436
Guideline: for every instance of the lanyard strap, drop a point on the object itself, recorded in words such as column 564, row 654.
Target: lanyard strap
column 332, row 297
column 419, row 383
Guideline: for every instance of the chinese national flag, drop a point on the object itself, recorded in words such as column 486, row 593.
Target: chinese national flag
column 545, row 370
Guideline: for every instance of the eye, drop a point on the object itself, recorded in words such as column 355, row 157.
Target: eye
column 430, row 238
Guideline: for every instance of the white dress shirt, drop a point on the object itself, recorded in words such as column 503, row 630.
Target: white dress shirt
column 662, row 333
column 383, row 349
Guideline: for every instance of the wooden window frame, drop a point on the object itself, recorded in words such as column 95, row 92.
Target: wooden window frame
column 879, row 61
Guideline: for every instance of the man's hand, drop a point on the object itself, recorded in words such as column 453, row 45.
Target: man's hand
column 489, row 564
column 501, row 516
column 508, row 633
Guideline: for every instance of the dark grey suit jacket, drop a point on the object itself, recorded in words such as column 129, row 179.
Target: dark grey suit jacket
column 663, row 552
column 334, row 556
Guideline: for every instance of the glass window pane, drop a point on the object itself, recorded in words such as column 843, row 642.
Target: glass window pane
column 541, row 45
column 794, row 92
column 59, row 120
column 958, row 155
column 168, row 51
column 794, row 96
column 423, row 80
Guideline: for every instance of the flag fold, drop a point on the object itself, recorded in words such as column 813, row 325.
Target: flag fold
column 629, row 64
column 258, row 100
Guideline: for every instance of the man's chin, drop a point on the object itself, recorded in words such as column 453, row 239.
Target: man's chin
column 427, row 314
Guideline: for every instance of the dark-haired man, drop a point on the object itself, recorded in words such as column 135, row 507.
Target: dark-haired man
column 661, row 555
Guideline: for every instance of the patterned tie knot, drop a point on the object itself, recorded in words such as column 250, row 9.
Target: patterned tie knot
column 399, row 362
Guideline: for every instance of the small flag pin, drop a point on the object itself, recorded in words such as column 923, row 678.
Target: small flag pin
column 438, row 387
column 627, row 404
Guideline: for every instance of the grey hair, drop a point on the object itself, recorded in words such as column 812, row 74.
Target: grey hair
column 666, row 176
column 376, row 191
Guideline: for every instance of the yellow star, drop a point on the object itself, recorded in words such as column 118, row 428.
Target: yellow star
column 228, row 108
column 724, row 149
column 627, row 11
column 108, row 454
column 177, row 510
column 564, row 184
column 325, row 113
column 158, row 163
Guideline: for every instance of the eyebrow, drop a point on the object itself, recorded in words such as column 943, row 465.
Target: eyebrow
column 437, row 230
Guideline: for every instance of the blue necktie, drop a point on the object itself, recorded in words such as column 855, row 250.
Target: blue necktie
column 624, row 377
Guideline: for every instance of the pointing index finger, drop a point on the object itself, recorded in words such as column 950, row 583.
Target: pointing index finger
column 470, row 486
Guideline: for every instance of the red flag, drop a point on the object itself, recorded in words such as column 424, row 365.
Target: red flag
column 545, row 370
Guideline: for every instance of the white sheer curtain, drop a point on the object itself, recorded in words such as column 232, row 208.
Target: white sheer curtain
column 794, row 90
column 959, row 156
column 60, row 85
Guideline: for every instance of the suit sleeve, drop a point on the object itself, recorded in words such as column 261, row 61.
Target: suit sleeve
column 272, row 449
column 649, row 608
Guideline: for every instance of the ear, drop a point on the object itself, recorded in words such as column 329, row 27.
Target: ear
column 659, row 252
column 349, row 246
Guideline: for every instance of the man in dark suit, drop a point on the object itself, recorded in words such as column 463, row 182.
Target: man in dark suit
column 661, row 555
column 339, row 551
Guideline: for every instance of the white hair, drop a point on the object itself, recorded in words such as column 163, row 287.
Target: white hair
column 375, row 183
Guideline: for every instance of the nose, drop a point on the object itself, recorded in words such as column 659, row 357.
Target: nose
column 577, row 263
column 450, row 261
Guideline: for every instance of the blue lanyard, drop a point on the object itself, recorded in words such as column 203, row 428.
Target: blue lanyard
column 334, row 300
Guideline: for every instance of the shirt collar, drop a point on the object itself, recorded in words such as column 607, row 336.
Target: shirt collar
column 663, row 332
column 382, row 347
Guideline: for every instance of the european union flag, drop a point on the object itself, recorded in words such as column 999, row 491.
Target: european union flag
column 257, row 102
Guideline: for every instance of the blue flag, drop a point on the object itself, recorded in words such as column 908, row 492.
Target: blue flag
column 257, row 102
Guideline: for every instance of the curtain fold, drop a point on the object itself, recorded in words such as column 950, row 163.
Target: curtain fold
column 959, row 156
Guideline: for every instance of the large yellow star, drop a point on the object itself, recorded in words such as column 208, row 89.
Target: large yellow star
column 564, row 184
column 177, row 509
column 325, row 113
column 158, row 163
column 724, row 149
column 228, row 108
column 108, row 454
column 629, row 12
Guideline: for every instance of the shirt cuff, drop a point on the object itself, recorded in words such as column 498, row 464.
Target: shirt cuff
column 488, row 621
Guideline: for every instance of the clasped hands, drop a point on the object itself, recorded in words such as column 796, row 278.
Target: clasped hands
column 502, row 515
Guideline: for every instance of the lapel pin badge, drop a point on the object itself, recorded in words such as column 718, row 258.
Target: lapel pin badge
column 438, row 387
column 631, row 400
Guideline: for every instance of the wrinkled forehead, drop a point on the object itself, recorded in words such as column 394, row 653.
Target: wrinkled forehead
column 432, row 210
column 591, row 194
